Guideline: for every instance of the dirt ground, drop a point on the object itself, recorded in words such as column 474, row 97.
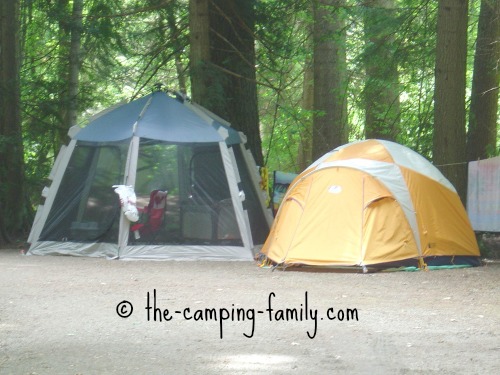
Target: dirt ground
column 59, row 315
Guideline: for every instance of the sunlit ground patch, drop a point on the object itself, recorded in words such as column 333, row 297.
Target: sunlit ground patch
column 254, row 362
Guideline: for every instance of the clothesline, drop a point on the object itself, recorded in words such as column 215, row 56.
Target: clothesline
column 446, row 165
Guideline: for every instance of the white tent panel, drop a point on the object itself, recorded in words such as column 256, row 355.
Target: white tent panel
column 410, row 159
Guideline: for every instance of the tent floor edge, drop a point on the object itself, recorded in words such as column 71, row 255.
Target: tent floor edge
column 406, row 265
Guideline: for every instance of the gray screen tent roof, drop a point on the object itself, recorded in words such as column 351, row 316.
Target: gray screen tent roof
column 156, row 116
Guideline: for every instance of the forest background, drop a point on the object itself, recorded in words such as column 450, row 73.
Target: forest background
column 299, row 77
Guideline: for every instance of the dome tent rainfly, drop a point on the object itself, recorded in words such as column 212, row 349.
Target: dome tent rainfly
column 212, row 206
column 373, row 205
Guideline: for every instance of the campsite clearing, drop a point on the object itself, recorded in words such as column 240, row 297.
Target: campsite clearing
column 59, row 315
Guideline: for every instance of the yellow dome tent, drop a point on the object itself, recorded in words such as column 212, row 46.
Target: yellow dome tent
column 371, row 204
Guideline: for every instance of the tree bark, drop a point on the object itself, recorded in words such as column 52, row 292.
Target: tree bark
column 233, row 50
column 12, row 197
column 482, row 133
column 304, row 157
column 449, row 104
column 330, row 105
column 223, row 64
column 200, row 54
column 63, row 53
column 74, row 64
column 381, row 90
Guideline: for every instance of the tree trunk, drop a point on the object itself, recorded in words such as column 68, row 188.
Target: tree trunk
column 449, row 106
column 63, row 52
column 330, row 106
column 74, row 64
column 202, row 84
column 304, row 157
column 223, row 64
column 233, row 52
column 381, row 90
column 482, row 134
column 12, row 197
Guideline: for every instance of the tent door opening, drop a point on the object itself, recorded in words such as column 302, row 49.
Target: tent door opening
column 199, row 208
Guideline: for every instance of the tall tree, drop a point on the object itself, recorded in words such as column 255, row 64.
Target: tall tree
column 61, row 12
column 233, row 24
column 381, row 92
column 71, row 112
column 200, row 53
column 223, row 64
column 329, row 56
column 482, row 132
column 449, row 109
column 12, row 198
column 304, row 156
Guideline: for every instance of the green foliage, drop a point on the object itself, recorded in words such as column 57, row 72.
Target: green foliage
column 127, row 46
column 285, row 50
column 282, row 51
column 130, row 45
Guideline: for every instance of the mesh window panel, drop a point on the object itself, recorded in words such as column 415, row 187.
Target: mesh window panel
column 86, row 208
